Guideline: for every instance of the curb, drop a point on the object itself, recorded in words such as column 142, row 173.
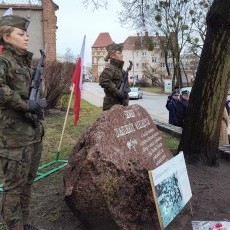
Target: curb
column 224, row 150
column 151, row 94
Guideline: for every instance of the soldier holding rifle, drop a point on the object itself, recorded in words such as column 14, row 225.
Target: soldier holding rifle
column 114, row 79
column 21, row 129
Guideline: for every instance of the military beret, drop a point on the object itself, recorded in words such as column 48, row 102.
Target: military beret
column 14, row 21
column 114, row 46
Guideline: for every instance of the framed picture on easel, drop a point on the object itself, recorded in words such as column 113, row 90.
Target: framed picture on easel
column 171, row 188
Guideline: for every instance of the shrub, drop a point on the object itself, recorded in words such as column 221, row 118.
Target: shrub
column 57, row 80
column 142, row 83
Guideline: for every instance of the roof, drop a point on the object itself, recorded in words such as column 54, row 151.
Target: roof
column 102, row 40
column 131, row 42
column 139, row 42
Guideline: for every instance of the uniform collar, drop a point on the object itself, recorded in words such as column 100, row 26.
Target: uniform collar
column 117, row 63
column 18, row 54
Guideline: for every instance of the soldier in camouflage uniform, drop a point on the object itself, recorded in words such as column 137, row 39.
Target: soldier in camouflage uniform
column 112, row 76
column 20, row 141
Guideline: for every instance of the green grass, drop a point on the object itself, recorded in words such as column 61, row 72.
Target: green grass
column 88, row 115
column 158, row 90
column 53, row 129
column 171, row 142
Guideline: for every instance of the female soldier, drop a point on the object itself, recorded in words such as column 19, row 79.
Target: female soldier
column 112, row 76
column 20, row 139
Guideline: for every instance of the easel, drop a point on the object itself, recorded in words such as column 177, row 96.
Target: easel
column 166, row 172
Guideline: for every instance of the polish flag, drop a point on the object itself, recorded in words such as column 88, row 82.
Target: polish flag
column 77, row 82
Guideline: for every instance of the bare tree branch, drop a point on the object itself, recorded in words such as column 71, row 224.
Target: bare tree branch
column 95, row 3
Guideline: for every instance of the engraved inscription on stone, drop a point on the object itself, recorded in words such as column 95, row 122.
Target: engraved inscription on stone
column 141, row 135
column 110, row 160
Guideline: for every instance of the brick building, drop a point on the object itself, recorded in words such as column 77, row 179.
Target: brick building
column 98, row 54
column 43, row 23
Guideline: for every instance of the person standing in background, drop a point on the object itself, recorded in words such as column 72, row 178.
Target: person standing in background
column 111, row 78
column 227, row 105
column 181, row 108
column 224, row 128
column 20, row 136
column 171, row 106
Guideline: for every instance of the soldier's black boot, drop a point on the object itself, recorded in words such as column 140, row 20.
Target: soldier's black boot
column 29, row 227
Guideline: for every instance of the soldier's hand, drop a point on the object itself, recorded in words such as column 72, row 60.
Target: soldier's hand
column 121, row 96
column 42, row 102
column 127, row 90
column 36, row 106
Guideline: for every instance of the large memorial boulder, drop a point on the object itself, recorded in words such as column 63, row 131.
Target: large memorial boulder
column 106, row 180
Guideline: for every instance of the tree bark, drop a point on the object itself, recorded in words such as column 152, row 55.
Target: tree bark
column 200, row 136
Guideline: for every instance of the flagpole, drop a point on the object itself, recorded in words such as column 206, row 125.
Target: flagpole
column 65, row 121
column 76, row 85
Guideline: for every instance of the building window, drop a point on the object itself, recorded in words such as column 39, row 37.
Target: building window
column 143, row 53
column 137, row 65
column 162, row 64
column 154, row 59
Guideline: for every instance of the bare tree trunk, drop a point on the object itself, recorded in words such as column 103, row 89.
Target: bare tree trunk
column 200, row 136
column 174, row 81
column 178, row 73
column 177, row 66
column 185, row 74
column 166, row 62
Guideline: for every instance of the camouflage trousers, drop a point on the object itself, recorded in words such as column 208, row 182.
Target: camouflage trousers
column 19, row 167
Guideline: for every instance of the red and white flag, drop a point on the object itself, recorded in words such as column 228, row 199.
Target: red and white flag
column 77, row 82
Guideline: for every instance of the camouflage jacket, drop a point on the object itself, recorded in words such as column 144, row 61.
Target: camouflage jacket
column 111, row 79
column 15, row 79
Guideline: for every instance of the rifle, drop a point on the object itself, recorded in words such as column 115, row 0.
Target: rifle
column 125, row 78
column 35, row 90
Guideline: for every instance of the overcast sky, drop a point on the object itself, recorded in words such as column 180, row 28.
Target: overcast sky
column 74, row 21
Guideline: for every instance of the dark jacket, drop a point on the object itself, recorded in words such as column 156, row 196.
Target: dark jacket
column 181, row 111
column 172, row 112
column 15, row 79
column 111, row 79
